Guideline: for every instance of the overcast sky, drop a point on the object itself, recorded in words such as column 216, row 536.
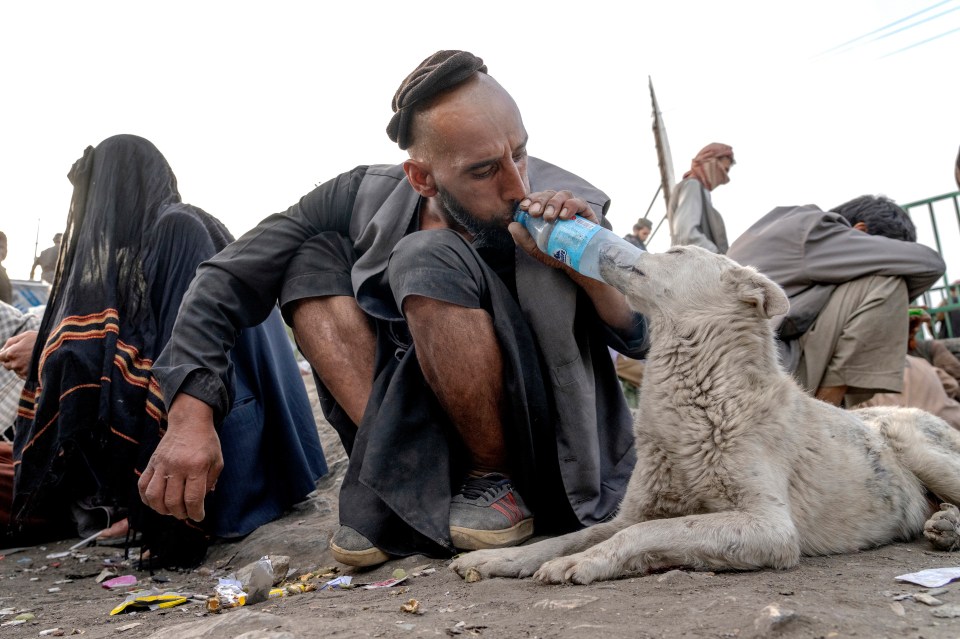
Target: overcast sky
column 255, row 103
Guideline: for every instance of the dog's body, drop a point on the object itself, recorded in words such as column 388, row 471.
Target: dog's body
column 737, row 467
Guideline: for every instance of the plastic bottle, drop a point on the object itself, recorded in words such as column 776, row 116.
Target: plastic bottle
column 577, row 242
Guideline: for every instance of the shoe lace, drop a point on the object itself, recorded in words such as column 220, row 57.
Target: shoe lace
column 477, row 487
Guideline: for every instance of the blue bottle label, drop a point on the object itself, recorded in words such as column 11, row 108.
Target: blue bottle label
column 569, row 239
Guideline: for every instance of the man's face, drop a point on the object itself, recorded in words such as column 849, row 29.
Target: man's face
column 3, row 249
column 480, row 167
column 643, row 233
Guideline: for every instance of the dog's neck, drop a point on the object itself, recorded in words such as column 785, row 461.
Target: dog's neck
column 703, row 354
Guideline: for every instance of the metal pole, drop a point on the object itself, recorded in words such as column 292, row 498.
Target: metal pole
column 36, row 248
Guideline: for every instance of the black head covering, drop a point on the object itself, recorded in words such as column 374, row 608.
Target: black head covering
column 91, row 412
column 441, row 71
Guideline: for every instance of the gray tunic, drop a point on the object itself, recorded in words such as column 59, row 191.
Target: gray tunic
column 693, row 220
column 594, row 443
column 808, row 252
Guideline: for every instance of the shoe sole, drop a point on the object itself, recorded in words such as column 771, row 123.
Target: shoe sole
column 359, row 558
column 471, row 539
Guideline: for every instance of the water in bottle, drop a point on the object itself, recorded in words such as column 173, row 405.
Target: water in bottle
column 577, row 242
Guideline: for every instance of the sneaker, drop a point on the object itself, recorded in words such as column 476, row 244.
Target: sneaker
column 488, row 513
column 353, row 549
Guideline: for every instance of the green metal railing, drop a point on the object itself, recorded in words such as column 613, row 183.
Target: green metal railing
column 940, row 299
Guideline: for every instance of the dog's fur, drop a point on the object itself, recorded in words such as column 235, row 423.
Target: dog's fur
column 737, row 467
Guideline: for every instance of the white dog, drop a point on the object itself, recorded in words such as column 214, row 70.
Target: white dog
column 737, row 467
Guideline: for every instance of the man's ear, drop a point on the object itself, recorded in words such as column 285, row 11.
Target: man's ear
column 861, row 226
column 420, row 177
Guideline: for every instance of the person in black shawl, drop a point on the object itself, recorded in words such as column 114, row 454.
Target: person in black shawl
column 91, row 414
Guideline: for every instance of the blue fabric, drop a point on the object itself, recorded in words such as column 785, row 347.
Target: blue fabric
column 271, row 451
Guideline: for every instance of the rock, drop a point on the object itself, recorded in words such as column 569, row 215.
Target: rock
column 949, row 611
column 672, row 576
column 924, row 598
column 772, row 619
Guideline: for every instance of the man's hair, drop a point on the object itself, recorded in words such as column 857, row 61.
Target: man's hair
column 643, row 223
column 437, row 74
column 881, row 215
column 58, row 236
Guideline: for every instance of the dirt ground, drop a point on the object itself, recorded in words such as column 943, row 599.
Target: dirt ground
column 840, row 596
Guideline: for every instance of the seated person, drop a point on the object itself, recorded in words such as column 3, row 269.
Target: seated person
column 693, row 220
column 849, row 274
column 935, row 352
column 924, row 385
column 466, row 372
column 14, row 326
column 92, row 414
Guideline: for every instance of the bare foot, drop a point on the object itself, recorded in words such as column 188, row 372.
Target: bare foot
column 943, row 528
column 117, row 531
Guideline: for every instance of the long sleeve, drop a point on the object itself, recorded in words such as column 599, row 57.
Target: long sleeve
column 239, row 287
column 686, row 218
column 835, row 253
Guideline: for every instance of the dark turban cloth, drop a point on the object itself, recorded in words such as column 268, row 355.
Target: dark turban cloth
column 441, row 71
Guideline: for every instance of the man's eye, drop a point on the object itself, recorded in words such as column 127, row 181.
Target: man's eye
column 484, row 174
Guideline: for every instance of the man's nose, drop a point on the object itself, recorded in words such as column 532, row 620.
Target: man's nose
column 513, row 187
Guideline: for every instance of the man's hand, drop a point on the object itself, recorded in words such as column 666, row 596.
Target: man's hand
column 551, row 205
column 186, row 464
column 16, row 353
column 554, row 204
column 609, row 302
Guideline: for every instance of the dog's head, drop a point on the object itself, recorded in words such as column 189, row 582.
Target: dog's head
column 688, row 281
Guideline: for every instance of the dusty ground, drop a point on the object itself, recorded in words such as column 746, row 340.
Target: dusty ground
column 840, row 596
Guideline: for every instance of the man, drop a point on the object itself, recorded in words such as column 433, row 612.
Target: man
column 693, row 220
column 641, row 231
column 849, row 274
column 47, row 261
column 459, row 371
column 6, row 289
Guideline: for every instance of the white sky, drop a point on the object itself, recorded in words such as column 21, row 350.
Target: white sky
column 255, row 103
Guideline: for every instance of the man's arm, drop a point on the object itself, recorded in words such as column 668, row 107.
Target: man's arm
column 835, row 253
column 235, row 289
column 610, row 304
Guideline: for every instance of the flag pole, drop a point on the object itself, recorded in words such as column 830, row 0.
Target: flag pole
column 664, row 159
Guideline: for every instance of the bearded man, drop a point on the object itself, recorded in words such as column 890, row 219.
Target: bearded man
column 466, row 372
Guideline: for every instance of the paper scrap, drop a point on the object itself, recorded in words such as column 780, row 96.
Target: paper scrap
column 933, row 577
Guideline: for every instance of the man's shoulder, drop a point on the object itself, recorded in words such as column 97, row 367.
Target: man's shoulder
column 544, row 175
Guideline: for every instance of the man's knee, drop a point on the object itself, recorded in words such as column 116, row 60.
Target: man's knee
column 433, row 249
column 437, row 264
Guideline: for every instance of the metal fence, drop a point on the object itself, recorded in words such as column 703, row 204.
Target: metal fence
column 938, row 225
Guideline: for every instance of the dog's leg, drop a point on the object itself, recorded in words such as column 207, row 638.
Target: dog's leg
column 722, row 541
column 943, row 528
column 522, row 561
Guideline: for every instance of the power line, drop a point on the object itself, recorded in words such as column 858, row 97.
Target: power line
column 917, row 44
column 910, row 26
column 886, row 26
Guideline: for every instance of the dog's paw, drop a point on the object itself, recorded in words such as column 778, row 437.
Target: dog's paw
column 943, row 528
column 576, row 569
column 502, row 562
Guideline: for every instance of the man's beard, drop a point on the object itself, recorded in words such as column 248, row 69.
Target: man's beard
column 486, row 233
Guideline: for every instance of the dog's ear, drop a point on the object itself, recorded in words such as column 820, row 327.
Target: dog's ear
column 759, row 291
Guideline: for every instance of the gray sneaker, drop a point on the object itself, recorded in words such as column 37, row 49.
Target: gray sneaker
column 488, row 513
column 351, row 548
